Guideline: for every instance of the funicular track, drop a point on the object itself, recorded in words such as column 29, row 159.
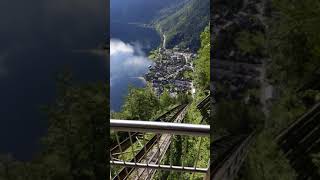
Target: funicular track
column 228, row 154
column 125, row 144
column 204, row 107
column 300, row 140
column 297, row 142
column 152, row 153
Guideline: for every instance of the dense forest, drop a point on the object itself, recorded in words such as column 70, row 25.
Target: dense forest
column 183, row 25
column 180, row 20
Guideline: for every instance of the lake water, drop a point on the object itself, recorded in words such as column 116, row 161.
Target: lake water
column 38, row 41
column 129, row 47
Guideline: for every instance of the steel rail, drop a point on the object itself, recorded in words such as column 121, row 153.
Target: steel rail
column 150, row 172
column 116, row 149
column 161, row 166
column 284, row 134
column 204, row 102
column 162, row 117
column 230, row 158
column 159, row 127
column 150, row 143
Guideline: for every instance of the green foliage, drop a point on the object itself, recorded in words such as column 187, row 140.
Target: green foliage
column 202, row 63
column 294, row 41
column 144, row 104
column 140, row 104
column 188, row 74
column 250, row 42
column 184, row 149
column 183, row 98
column 183, row 26
column 236, row 117
column 166, row 100
column 76, row 134
column 293, row 45
column 153, row 55
column 265, row 161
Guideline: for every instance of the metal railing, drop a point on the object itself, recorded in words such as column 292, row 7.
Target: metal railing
column 152, row 150
column 159, row 127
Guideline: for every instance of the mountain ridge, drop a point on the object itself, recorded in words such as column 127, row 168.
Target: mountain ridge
column 182, row 21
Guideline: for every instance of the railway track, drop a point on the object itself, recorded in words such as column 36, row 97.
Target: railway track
column 154, row 150
column 125, row 144
column 204, row 106
column 228, row 154
column 300, row 140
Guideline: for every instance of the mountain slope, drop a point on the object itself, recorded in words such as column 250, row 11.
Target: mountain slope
column 183, row 25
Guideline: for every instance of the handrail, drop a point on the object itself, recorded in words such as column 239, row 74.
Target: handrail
column 159, row 127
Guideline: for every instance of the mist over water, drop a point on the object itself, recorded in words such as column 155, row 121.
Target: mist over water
column 127, row 66
column 129, row 47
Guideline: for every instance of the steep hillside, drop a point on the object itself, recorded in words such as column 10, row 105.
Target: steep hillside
column 184, row 23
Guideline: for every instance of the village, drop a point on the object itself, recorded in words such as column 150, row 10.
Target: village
column 169, row 72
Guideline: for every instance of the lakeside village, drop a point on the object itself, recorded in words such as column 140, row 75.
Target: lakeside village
column 169, row 71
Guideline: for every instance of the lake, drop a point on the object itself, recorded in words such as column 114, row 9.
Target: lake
column 129, row 46
column 40, row 39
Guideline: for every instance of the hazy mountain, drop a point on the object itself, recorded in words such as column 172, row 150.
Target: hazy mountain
column 182, row 21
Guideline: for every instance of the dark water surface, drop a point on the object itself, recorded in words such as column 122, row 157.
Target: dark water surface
column 38, row 41
column 148, row 38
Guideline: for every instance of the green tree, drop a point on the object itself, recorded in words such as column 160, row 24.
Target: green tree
column 250, row 42
column 202, row 63
column 75, row 143
column 166, row 100
column 140, row 104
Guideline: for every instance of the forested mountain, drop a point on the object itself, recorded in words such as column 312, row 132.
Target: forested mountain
column 183, row 25
column 182, row 21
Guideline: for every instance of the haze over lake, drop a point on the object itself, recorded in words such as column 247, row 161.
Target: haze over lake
column 129, row 46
